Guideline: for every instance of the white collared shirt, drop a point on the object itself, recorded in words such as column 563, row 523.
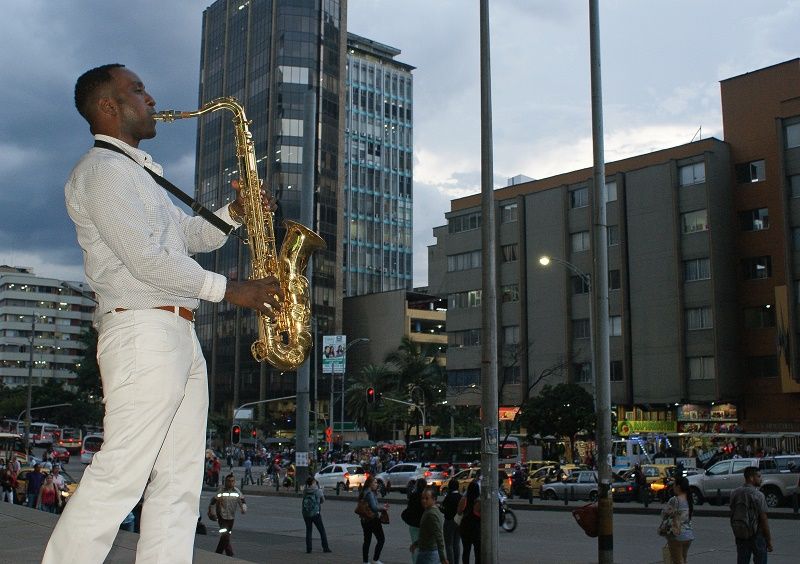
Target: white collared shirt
column 136, row 242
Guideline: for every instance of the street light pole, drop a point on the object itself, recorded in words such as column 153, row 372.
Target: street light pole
column 30, row 386
column 354, row 342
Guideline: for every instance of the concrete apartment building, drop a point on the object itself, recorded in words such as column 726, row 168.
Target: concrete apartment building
column 704, row 278
column 48, row 313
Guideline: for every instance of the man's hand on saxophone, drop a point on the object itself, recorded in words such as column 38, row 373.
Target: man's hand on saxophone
column 264, row 294
column 237, row 207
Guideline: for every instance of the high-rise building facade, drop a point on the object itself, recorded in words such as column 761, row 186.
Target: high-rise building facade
column 284, row 62
column 703, row 272
column 48, row 314
column 378, row 195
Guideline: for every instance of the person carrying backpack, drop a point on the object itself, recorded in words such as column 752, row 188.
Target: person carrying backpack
column 313, row 498
column 749, row 520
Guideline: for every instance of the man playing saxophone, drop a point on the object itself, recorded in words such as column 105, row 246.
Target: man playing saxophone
column 136, row 246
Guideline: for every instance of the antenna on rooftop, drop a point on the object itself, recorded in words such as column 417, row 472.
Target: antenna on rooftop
column 698, row 134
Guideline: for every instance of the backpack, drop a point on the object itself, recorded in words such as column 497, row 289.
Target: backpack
column 310, row 504
column 744, row 520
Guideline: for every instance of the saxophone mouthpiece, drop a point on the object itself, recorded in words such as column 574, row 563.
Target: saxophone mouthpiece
column 168, row 116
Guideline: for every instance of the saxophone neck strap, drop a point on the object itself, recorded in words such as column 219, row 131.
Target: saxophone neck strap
column 196, row 206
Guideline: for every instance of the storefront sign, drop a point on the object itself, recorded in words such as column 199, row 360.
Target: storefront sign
column 632, row 427
column 508, row 413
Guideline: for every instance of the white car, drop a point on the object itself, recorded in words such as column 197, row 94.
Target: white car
column 343, row 476
column 91, row 444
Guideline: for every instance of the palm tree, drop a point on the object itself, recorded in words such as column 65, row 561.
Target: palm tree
column 377, row 420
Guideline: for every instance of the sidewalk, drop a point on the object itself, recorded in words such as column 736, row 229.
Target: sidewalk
column 26, row 531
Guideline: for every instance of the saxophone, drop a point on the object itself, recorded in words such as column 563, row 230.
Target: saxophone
column 285, row 339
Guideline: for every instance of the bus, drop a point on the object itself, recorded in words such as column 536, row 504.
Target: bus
column 461, row 452
column 11, row 443
column 42, row 434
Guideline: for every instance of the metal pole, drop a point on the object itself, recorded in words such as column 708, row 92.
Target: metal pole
column 489, row 401
column 30, row 386
column 330, row 442
column 343, row 373
column 605, row 539
column 306, row 218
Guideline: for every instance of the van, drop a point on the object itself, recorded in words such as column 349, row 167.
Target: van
column 44, row 434
column 91, row 444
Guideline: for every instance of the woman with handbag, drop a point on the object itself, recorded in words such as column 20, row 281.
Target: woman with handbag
column 370, row 514
column 676, row 521
column 469, row 508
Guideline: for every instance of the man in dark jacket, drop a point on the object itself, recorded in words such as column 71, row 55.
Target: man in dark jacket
column 35, row 481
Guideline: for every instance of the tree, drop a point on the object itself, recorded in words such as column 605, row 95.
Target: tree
column 561, row 410
column 377, row 420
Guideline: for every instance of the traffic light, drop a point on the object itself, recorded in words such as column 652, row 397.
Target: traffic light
column 427, row 433
column 370, row 396
column 253, row 433
column 236, row 434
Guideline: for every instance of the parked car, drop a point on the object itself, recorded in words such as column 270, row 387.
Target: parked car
column 403, row 476
column 578, row 485
column 91, row 444
column 727, row 475
column 546, row 474
column 343, row 476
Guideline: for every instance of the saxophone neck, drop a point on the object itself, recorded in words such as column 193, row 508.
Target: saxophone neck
column 225, row 103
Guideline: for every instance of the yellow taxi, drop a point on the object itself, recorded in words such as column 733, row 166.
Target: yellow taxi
column 466, row 476
column 659, row 477
column 22, row 484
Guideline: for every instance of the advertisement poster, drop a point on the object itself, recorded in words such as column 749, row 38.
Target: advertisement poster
column 333, row 357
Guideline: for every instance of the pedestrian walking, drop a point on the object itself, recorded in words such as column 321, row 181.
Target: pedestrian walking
column 138, row 250
column 313, row 498
column 48, row 497
column 412, row 514
column 676, row 521
column 749, row 520
column 430, row 545
column 35, row 480
column 452, row 540
column 370, row 522
column 470, row 528
column 7, row 484
column 222, row 509
column 248, row 472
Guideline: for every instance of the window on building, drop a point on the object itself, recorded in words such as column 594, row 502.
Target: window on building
column 508, row 213
column 466, row 222
column 762, row 366
column 759, row 317
column 696, row 269
column 611, row 191
column 616, row 371
column 751, row 172
column 463, row 300
column 794, row 186
column 579, row 198
column 615, row 326
column 465, row 338
column 755, row 268
column 614, row 282
column 580, row 241
column 694, row 221
column 511, row 335
column 792, row 135
column 613, row 235
column 699, row 318
column 582, row 372
column 581, row 328
column 694, row 173
column 290, row 154
column 580, row 284
column 509, row 293
column 511, row 375
column 700, row 367
column 754, row 220
column 509, row 252
column 463, row 261
column 463, row 378
column 293, row 75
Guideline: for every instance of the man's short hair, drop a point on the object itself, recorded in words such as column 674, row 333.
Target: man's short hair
column 88, row 85
column 750, row 472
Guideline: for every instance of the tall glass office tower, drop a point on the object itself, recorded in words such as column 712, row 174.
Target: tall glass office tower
column 283, row 61
column 378, row 169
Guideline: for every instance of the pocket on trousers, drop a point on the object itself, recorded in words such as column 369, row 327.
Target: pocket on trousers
column 155, row 338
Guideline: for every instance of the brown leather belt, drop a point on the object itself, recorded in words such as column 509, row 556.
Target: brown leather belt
column 184, row 312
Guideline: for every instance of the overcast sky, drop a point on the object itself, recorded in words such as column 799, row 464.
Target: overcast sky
column 662, row 62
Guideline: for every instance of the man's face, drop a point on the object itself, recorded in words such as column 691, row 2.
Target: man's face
column 135, row 106
column 230, row 482
column 757, row 479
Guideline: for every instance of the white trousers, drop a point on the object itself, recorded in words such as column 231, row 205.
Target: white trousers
column 156, row 402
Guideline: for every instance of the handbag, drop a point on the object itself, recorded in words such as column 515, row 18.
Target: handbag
column 384, row 517
column 670, row 520
column 363, row 510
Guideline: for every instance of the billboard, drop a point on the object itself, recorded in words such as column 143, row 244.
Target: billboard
column 333, row 354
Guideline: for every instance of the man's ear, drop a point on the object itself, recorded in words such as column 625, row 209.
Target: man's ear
column 107, row 106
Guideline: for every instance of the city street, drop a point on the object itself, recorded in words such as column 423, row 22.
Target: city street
column 541, row 536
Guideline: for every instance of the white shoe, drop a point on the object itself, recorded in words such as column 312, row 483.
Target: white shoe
column 377, row 562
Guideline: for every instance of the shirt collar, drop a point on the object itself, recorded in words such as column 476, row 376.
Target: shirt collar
column 138, row 155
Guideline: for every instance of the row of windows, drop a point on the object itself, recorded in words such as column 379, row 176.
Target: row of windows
column 582, row 372
column 581, row 328
column 464, row 261
column 473, row 298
